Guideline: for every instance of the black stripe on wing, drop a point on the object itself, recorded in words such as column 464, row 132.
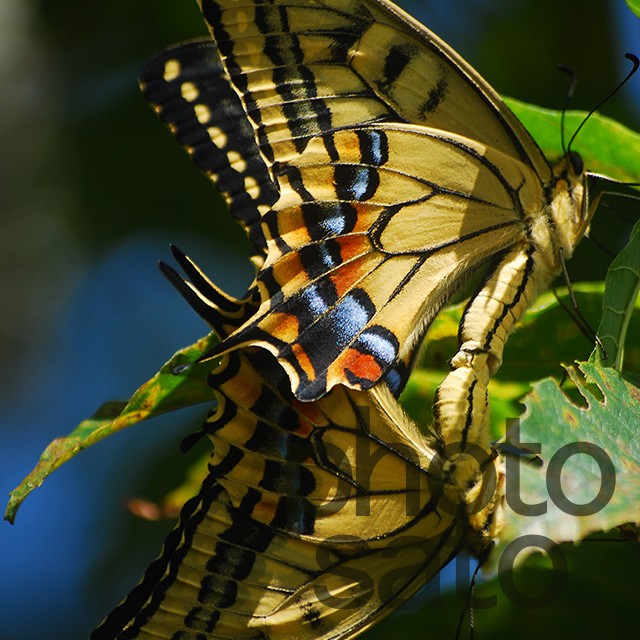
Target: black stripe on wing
column 189, row 89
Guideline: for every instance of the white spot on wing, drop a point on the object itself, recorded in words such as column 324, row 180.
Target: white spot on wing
column 189, row 91
column 218, row 136
column 203, row 113
column 172, row 69
column 237, row 161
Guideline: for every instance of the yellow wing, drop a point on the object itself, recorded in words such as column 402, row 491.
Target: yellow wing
column 316, row 519
column 312, row 67
column 400, row 172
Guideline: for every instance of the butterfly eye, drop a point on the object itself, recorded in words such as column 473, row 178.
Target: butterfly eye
column 576, row 162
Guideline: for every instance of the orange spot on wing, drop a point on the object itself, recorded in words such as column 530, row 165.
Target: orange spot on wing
column 284, row 326
column 303, row 360
column 265, row 510
column 306, row 414
column 354, row 253
column 309, row 415
column 287, row 268
column 349, row 275
column 243, row 389
column 291, row 227
column 367, row 214
column 352, row 246
column 362, row 365
column 349, row 146
column 344, row 279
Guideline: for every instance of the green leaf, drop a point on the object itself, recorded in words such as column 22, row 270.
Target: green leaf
column 166, row 391
column 620, row 299
column 602, row 467
column 606, row 146
column 548, row 335
column 634, row 5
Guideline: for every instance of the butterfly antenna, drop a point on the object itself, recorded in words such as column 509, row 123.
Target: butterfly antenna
column 570, row 93
column 636, row 63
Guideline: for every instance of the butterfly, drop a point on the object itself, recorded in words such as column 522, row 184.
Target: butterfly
column 315, row 519
column 400, row 176
column 375, row 172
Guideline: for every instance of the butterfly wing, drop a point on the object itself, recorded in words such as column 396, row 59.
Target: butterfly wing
column 363, row 253
column 306, row 68
column 188, row 87
column 225, row 314
column 316, row 519
column 399, row 172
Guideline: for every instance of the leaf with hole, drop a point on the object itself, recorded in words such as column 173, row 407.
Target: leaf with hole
column 589, row 479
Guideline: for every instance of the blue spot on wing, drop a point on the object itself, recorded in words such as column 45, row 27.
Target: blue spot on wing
column 355, row 182
column 376, row 151
column 318, row 259
column 328, row 219
column 360, row 184
column 374, row 147
column 314, row 301
column 380, row 343
column 395, row 381
column 326, row 337
column 335, row 225
column 350, row 316
column 327, row 258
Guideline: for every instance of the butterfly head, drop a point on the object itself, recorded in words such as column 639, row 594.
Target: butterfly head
column 462, row 478
column 569, row 211
column 478, row 486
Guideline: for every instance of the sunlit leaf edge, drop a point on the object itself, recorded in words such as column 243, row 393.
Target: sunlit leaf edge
column 164, row 392
column 634, row 5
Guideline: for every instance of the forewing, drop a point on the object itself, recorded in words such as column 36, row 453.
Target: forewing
column 399, row 169
column 305, row 68
column 190, row 90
